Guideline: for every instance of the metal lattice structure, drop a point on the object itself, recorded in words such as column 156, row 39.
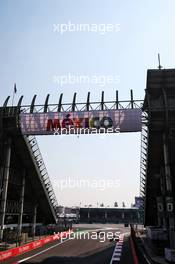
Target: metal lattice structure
column 143, row 155
column 76, row 106
column 44, row 177
column 32, row 170
column 26, row 193
column 159, row 104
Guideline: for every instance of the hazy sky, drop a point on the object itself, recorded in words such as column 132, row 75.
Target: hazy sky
column 32, row 52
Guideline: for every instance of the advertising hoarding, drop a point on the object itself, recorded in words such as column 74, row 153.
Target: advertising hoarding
column 81, row 122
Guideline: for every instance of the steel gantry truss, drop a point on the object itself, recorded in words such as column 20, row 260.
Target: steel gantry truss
column 76, row 106
column 143, row 155
column 88, row 105
column 44, row 177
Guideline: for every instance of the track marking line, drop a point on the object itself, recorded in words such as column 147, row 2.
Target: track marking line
column 25, row 259
column 116, row 259
column 41, row 252
column 117, row 250
column 117, row 254
column 60, row 243
column 118, row 247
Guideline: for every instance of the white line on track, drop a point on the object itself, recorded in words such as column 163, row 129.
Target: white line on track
column 115, row 259
column 45, row 250
column 41, row 252
column 118, row 250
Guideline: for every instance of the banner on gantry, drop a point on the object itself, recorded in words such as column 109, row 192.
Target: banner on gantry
column 81, row 122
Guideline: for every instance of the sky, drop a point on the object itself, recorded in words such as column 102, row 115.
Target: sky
column 34, row 53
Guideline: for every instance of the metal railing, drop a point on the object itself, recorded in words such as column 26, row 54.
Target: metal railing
column 43, row 174
column 143, row 155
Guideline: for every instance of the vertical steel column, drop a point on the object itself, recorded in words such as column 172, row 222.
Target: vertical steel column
column 106, row 215
column 21, row 203
column 88, row 102
column 102, row 100
column 5, row 186
column 163, row 191
column 138, row 217
column 123, row 215
column 34, row 221
column 132, row 99
column 116, row 101
column 167, row 166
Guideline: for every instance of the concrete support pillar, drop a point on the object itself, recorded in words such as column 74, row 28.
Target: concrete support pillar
column 106, row 216
column 5, row 185
column 163, row 191
column 123, row 215
column 21, row 204
column 167, row 166
column 138, row 217
column 34, row 221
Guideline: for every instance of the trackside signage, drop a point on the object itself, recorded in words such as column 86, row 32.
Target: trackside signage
column 81, row 122
column 13, row 252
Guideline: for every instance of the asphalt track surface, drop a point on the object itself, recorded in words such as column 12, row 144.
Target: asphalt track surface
column 89, row 249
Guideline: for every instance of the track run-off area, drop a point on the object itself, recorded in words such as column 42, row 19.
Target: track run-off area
column 90, row 243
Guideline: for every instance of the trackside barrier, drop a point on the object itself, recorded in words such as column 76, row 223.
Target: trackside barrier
column 133, row 245
column 139, row 249
column 10, row 253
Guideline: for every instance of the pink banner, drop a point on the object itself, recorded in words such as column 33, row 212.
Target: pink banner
column 81, row 122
